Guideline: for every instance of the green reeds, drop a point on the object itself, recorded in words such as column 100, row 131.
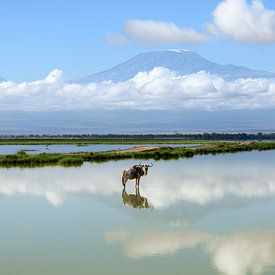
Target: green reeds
column 22, row 159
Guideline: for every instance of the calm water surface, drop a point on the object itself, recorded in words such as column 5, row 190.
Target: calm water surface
column 69, row 148
column 205, row 215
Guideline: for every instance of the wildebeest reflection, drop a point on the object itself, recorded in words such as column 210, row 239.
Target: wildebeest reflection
column 134, row 200
column 135, row 172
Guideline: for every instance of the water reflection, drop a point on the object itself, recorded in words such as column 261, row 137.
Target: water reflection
column 134, row 200
column 204, row 211
column 239, row 253
column 198, row 182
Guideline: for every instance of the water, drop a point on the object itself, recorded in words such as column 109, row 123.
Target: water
column 205, row 215
column 72, row 148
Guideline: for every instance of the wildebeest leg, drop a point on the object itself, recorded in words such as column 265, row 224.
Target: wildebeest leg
column 137, row 191
column 138, row 182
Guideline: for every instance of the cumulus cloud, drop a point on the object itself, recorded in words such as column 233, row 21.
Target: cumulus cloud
column 149, row 31
column 243, row 21
column 237, row 20
column 160, row 89
column 153, row 32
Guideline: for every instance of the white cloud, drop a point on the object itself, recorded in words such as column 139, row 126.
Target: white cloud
column 116, row 39
column 237, row 20
column 149, row 31
column 243, row 21
column 157, row 89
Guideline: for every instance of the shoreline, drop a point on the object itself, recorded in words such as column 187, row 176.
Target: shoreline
column 116, row 141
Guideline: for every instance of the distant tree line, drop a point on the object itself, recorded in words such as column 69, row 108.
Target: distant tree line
column 200, row 136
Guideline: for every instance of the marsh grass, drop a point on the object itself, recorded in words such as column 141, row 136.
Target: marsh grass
column 70, row 161
column 22, row 159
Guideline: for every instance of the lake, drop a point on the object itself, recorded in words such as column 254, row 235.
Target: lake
column 72, row 148
column 205, row 215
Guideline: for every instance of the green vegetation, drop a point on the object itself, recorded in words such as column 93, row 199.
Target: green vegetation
column 22, row 159
column 176, row 138
column 70, row 161
column 84, row 142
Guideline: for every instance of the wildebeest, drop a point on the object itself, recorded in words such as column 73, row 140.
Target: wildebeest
column 135, row 172
column 134, row 200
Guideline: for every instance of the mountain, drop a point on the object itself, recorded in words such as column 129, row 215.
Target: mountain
column 182, row 61
column 2, row 79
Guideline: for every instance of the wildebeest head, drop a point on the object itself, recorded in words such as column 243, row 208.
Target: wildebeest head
column 145, row 167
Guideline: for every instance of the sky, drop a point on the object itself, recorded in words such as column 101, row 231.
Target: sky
column 40, row 36
column 47, row 45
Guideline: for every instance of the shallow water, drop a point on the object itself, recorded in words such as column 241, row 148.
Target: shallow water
column 205, row 215
column 72, row 148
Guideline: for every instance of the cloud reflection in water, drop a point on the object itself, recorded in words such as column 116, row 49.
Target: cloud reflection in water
column 168, row 183
column 237, row 253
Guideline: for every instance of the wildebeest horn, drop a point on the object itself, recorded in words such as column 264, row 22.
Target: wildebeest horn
column 150, row 165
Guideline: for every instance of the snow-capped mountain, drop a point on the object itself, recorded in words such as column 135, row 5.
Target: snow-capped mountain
column 2, row 79
column 182, row 61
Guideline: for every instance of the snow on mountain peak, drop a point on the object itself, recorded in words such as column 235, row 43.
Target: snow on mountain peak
column 178, row 50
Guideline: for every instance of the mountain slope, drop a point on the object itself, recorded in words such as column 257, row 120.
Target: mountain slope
column 181, row 61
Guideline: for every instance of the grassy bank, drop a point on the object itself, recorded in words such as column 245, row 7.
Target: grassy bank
column 22, row 159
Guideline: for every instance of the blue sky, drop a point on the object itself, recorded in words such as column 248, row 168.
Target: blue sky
column 39, row 36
